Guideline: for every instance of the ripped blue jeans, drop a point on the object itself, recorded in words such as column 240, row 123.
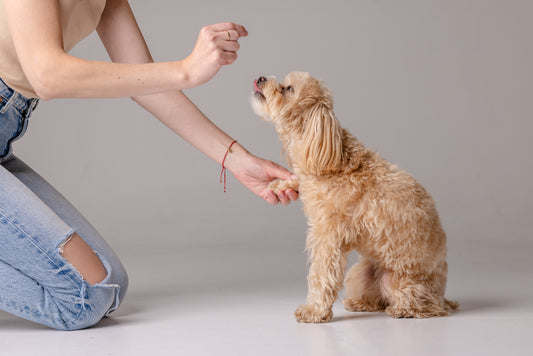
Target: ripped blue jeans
column 36, row 282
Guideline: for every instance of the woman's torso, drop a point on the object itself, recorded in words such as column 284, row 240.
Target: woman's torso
column 78, row 19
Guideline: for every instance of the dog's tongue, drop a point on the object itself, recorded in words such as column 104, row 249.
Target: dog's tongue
column 256, row 88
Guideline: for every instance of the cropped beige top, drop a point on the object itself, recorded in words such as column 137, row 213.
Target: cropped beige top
column 78, row 19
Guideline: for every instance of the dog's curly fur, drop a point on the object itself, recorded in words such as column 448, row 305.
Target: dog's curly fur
column 355, row 200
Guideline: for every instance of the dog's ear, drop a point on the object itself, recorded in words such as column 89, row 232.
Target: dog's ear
column 322, row 141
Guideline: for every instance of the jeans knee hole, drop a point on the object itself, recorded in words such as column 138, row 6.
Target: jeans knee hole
column 83, row 259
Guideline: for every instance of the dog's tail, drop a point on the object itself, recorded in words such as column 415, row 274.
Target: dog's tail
column 453, row 305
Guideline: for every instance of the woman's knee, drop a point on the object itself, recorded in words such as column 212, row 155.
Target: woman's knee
column 94, row 300
column 93, row 304
column 96, row 267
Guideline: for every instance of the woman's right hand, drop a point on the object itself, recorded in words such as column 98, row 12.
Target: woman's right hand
column 217, row 45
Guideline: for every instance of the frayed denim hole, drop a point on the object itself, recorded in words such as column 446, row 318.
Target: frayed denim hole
column 85, row 286
column 83, row 303
column 65, row 239
column 67, row 269
column 105, row 283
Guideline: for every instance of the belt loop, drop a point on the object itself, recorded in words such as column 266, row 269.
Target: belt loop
column 9, row 102
column 31, row 106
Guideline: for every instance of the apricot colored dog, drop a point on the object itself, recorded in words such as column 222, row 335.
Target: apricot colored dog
column 355, row 200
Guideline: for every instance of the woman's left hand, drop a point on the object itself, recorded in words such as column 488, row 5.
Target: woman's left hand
column 256, row 174
column 217, row 45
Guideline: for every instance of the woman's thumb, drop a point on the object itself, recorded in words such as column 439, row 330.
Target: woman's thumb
column 281, row 172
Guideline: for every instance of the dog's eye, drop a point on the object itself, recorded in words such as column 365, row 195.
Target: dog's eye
column 288, row 89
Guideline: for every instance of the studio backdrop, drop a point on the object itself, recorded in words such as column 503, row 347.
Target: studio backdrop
column 442, row 88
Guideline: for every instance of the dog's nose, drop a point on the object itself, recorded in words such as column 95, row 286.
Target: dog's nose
column 261, row 80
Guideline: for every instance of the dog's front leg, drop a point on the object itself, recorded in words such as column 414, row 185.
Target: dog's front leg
column 325, row 278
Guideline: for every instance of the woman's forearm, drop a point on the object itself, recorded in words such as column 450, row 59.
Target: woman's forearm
column 71, row 77
column 179, row 114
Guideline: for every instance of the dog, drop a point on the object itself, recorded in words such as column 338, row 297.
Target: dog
column 355, row 200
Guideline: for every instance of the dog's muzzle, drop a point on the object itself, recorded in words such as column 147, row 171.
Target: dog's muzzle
column 258, row 86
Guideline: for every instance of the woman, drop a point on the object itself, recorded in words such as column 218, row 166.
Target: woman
column 55, row 269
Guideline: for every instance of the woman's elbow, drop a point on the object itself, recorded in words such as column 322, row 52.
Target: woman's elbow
column 45, row 76
column 44, row 85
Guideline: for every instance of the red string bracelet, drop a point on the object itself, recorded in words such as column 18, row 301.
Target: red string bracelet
column 223, row 173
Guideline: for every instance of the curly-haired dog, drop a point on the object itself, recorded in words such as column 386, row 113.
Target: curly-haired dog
column 355, row 200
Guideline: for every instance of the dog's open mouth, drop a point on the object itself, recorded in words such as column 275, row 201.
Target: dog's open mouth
column 258, row 93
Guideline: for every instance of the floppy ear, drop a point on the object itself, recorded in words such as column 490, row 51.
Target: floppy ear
column 322, row 142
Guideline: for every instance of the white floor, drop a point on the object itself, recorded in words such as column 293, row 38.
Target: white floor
column 239, row 299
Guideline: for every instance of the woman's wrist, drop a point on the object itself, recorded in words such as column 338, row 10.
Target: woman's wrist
column 182, row 76
column 237, row 158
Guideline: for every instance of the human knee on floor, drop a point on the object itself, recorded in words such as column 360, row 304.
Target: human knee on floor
column 102, row 286
column 83, row 321
column 90, row 265
column 93, row 303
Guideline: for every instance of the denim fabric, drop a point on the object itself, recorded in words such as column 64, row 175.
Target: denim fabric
column 15, row 111
column 36, row 282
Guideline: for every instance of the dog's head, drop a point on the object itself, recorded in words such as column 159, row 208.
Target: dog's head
column 301, row 108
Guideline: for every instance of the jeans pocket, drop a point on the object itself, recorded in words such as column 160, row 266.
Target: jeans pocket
column 12, row 125
column 3, row 103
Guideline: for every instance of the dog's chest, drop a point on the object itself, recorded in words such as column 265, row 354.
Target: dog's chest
column 329, row 199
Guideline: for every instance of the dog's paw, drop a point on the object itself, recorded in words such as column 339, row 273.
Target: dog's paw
column 353, row 305
column 309, row 313
column 278, row 184
column 400, row 313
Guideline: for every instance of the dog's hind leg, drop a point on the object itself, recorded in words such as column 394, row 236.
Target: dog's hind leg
column 362, row 284
column 415, row 296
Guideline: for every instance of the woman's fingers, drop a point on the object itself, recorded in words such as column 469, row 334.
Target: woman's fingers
column 284, row 200
column 229, row 46
column 217, row 45
column 283, row 197
column 231, row 35
column 227, row 42
column 230, row 26
column 292, row 194
column 272, row 198
column 228, row 58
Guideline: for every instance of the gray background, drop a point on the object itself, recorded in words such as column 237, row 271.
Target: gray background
column 442, row 88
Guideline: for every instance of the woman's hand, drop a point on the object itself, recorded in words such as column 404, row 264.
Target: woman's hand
column 259, row 174
column 256, row 174
column 217, row 45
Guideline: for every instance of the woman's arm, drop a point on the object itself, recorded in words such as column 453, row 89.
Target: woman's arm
column 178, row 113
column 36, row 30
column 124, row 42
